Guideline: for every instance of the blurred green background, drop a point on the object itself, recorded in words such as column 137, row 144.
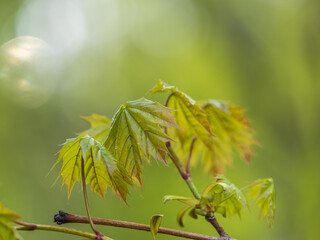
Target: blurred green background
column 263, row 55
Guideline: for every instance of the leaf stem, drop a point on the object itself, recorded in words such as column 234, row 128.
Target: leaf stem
column 168, row 98
column 190, row 155
column 185, row 174
column 31, row 227
column 71, row 218
column 193, row 188
column 187, row 177
column 98, row 234
column 177, row 162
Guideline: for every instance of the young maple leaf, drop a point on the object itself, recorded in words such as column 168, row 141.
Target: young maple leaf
column 189, row 115
column 137, row 132
column 100, row 167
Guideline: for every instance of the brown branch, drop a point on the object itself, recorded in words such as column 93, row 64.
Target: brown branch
column 63, row 217
column 212, row 219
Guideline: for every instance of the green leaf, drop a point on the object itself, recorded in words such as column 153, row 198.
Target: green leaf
column 222, row 210
column 137, row 132
column 223, row 197
column 264, row 192
column 228, row 123
column 232, row 131
column 155, row 224
column 7, row 232
column 231, row 198
column 99, row 127
column 70, row 155
column 188, row 201
column 181, row 215
column 101, row 169
column 189, row 115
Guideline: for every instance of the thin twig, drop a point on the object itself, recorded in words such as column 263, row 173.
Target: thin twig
column 71, row 218
column 32, row 227
column 176, row 162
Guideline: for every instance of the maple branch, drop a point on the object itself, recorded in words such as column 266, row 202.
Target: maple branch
column 32, row 227
column 187, row 177
column 98, row 234
column 63, row 217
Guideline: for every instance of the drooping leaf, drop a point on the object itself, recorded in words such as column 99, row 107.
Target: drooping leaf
column 263, row 191
column 182, row 214
column 101, row 169
column 137, row 132
column 99, row 127
column 232, row 131
column 189, row 115
column 188, row 201
column 7, row 232
column 155, row 224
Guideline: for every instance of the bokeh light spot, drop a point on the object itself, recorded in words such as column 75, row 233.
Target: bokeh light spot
column 26, row 71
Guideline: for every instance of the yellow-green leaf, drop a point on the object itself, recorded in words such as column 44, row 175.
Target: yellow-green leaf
column 137, row 132
column 70, row 155
column 232, row 131
column 7, row 232
column 101, row 169
column 263, row 191
column 223, row 197
column 189, row 116
column 155, row 224
column 231, row 198
column 99, row 127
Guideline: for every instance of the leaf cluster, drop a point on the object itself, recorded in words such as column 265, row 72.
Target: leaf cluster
column 218, row 128
column 223, row 197
column 113, row 151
